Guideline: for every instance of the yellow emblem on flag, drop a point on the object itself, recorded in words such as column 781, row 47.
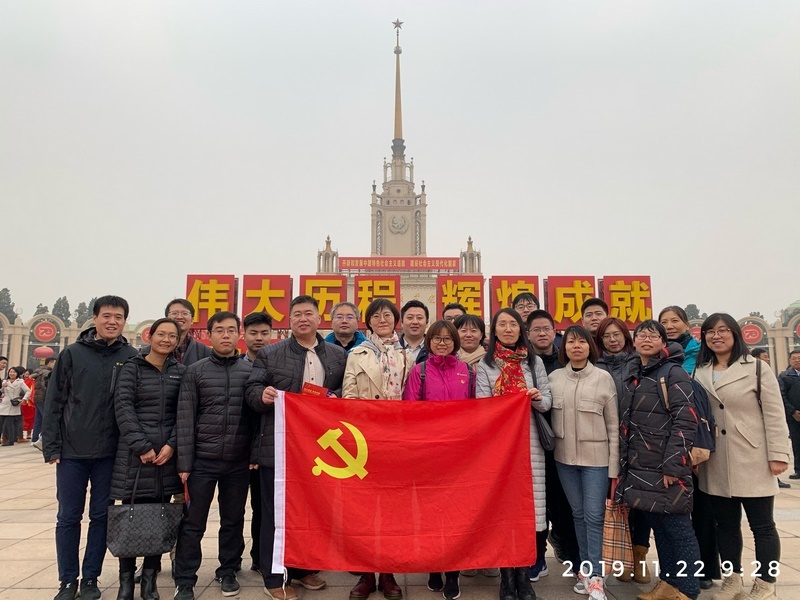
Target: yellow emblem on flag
column 355, row 464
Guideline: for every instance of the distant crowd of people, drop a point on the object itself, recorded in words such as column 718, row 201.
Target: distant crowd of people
column 623, row 406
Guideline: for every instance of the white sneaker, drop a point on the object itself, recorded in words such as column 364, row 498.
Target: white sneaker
column 580, row 586
column 594, row 588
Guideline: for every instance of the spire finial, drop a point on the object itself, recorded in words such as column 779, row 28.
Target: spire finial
column 398, row 148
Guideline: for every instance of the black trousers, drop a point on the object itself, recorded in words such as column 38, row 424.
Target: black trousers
column 794, row 434
column 728, row 513
column 705, row 528
column 232, row 478
column 559, row 514
column 255, row 522
column 271, row 580
column 676, row 543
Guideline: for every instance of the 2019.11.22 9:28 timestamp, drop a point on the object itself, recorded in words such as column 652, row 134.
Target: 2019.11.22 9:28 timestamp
column 618, row 568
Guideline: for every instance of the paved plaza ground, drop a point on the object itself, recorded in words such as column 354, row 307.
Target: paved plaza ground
column 28, row 555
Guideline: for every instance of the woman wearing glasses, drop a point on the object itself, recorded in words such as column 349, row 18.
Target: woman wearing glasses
column 378, row 369
column 509, row 366
column 586, row 426
column 752, row 450
column 442, row 377
column 676, row 322
column 657, row 430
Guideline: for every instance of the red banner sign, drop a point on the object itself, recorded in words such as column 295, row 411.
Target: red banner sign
column 565, row 294
column 327, row 290
column 270, row 293
column 467, row 290
column 370, row 287
column 369, row 485
column 210, row 294
column 399, row 263
column 503, row 289
column 629, row 298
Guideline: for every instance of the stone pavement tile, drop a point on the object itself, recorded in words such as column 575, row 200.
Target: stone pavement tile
column 28, row 594
column 29, row 503
column 40, row 515
column 15, row 571
column 25, row 549
column 21, row 530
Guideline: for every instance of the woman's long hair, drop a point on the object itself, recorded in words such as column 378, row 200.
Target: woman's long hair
column 626, row 333
column 522, row 340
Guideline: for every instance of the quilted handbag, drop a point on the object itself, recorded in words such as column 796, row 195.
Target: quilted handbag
column 142, row 529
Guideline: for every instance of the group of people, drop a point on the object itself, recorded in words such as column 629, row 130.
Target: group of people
column 21, row 402
column 184, row 419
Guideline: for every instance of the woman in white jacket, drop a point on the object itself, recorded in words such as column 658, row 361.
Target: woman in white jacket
column 510, row 365
column 585, row 421
column 15, row 392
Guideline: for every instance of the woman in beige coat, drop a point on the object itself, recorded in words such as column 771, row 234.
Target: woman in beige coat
column 378, row 369
column 752, row 450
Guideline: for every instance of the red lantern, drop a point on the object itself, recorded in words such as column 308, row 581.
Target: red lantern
column 43, row 352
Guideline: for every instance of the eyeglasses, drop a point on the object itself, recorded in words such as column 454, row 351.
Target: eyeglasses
column 647, row 336
column 183, row 313
column 613, row 336
column 344, row 318
column 722, row 332
column 547, row 329
column 511, row 325
column 526, row 305
column 231, row 331
column 386, row 316
column 442, row 340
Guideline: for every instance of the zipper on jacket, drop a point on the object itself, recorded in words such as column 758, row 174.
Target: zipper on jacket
column 225, row 413
column 159, row 490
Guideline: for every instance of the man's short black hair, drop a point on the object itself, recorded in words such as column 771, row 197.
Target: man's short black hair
column 47, row 361
column 540, row 314
column 5, row 358
column 453, row 305
column 795, row 351
column 258, row 318
column 525, row 297
column 757, row 352
column 303, row 300
column 594, row 302
column 183, row 302
column 221, row 316
column 112, row 301
column 414, row 304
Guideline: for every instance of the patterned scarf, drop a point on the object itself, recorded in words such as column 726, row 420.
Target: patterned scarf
column 390, row 357
column 511, row 378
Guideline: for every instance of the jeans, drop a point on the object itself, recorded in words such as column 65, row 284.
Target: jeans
column 587, row 489
column 559, row 513
column 72, row 479
column 676, row 543
column 271, row 580
column 232, row 477
column 728, row 513
column 37, row 421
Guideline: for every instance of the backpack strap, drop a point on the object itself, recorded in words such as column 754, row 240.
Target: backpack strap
column 472, row 389
column 532, row 365
column 662, row 381
column 422, row 380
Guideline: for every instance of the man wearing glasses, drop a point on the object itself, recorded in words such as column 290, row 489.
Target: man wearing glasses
column 344, row 322
column 214, row 443
column 188, row 351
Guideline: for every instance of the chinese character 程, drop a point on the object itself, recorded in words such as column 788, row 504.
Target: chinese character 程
column 569, row 300
column 629, row 301
column 265, row 296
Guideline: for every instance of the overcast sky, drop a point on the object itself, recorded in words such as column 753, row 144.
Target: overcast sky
column 140, row 141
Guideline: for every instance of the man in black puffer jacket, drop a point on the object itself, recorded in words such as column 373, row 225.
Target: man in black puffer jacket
column 286, row 366
column 214, row 445
column 80, row 438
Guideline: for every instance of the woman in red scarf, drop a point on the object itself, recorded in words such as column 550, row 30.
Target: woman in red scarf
column 509, row 366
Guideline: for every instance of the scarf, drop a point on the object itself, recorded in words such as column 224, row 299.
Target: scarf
column 472, row 358
column 389, row 359
column 683, row 339
column 511, row 378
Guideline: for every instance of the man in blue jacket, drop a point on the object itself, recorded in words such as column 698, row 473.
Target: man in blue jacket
column 344, row 323
column 80, row 438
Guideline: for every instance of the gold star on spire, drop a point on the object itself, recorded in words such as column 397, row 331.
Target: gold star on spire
column 397, row 24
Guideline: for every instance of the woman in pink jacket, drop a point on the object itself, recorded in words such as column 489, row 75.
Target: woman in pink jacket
column 441, row 377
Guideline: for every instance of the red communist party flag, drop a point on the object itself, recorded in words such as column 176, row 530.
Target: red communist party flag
column 403, row 487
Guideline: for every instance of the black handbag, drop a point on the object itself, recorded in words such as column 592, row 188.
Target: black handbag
column 142, row 529
column 546, row 437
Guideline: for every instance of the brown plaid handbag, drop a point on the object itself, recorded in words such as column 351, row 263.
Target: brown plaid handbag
column 617, row 545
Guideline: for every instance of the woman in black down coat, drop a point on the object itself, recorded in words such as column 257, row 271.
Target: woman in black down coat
column 146, row 405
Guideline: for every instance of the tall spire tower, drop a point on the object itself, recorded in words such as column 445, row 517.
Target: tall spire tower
column 398, row 212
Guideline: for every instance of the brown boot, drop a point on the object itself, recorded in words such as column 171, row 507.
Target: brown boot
column 641, row 574
column 389, row 587
column 625, row 577
column 364, row 587
column 663, row 591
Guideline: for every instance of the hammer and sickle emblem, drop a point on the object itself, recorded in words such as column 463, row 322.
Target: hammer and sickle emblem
column 355, row 464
